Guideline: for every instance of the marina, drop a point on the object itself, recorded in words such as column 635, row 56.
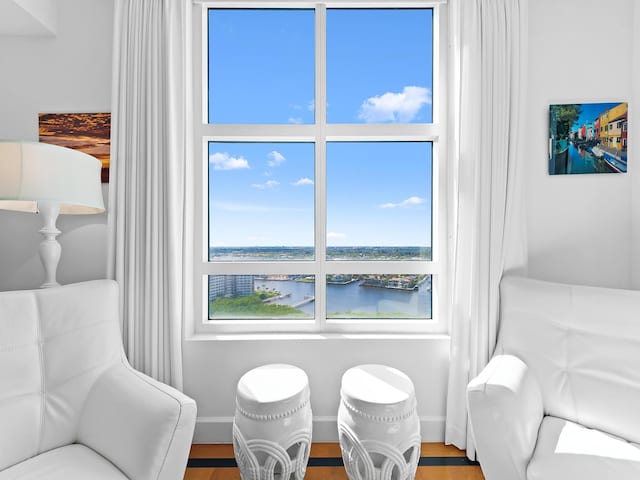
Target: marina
column 351, row 299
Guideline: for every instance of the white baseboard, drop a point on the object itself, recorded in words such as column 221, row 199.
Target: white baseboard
column 218, row 429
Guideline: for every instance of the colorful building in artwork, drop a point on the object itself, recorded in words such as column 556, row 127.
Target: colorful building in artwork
column 604, row 128
column 596, row 128
column 617, row 123
column 590, row 135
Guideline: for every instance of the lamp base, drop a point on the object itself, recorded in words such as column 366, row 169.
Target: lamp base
column 50, row 248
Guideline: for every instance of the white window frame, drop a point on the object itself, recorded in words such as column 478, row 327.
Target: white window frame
column 320, row 133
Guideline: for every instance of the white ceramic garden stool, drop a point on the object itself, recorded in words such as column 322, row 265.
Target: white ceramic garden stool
column 272, row 423
column 378, row 425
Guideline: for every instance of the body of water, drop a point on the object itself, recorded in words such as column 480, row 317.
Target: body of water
column 581, row 160
column 351, row 297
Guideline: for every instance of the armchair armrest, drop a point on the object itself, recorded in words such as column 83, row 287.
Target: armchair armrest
column 142, row 426
column 505, row 408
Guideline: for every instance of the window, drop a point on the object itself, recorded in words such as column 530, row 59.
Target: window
column 319, row 132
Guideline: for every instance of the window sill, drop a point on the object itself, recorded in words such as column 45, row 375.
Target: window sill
column 309, row 336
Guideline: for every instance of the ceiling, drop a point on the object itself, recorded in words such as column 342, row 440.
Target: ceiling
column 28, row 17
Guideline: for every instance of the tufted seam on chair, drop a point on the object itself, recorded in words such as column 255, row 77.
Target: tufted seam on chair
column 144, row 378
column 43, row 392
column 79, row 328
column 13, row 397
column 101, row 365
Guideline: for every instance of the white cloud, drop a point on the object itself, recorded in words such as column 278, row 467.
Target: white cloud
column 224, row 161
column 336, row 235
column 295, row 120
column 409, row 202
column 276, row 158
column 267, row 184
column 311, row 106
column 302, row 181
column 395, row 107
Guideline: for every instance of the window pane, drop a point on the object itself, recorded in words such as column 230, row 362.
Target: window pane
column 379, row 200
column 379, row 296
column 261, row 296
column 379, row 65
column 261, row 201
column 261, row 66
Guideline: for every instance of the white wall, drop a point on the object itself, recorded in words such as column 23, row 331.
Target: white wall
column 634, row 134
column 579, row 225
column 213, row 368
column 69, row 72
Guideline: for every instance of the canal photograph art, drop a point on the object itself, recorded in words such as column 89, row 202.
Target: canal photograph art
column 588, row 138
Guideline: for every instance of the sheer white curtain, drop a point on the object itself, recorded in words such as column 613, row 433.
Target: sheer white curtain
column 488, row 82
column 149, row 182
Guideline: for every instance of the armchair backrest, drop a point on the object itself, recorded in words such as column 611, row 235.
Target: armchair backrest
column 54, row 343
column 583, row 344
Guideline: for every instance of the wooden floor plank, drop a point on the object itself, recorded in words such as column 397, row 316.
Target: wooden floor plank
column 325, row 450
column 440, row 450
column 319, row 449
column 211, row 450
column 449, row 473
column 332, row 450
column 338, row 473
column 212, row 474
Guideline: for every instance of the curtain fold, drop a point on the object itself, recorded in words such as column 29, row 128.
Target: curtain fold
column 488, row 83
column 149, row 182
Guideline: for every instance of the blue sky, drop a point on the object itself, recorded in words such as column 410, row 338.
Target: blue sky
column 261, row 70
column 591, row 111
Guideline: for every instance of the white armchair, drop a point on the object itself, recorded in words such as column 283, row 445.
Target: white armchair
column 71, row 406
column 560, row 399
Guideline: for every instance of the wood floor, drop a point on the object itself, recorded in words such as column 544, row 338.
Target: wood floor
column 437, row 462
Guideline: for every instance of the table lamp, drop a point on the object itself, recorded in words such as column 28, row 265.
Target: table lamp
column 50, row 180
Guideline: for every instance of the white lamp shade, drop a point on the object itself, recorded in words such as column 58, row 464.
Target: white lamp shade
column 32, row 172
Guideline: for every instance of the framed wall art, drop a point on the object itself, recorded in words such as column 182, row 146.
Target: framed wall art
column 87, row 132
column 588, row 138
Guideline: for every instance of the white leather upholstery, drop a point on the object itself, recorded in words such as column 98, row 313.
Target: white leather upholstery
column 71, row 462
column 566, row 355
column 67, row 389
column 569, row 450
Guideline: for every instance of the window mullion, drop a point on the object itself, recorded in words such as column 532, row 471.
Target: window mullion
column 321, row 165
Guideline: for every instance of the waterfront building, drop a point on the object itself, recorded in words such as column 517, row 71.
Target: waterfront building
column 604, row 128
column 596, row 128
column 230, row 286
column 617, row 117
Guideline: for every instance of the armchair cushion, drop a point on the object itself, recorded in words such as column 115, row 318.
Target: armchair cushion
column 568, row 450
column 73, row 462
column 157, row 419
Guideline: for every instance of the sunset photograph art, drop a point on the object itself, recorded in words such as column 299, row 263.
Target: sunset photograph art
column 87, row 132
